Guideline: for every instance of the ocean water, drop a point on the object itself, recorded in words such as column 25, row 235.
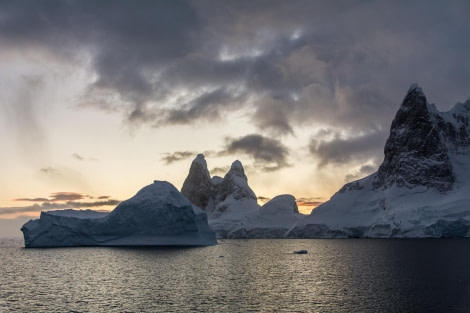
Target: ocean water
column 353, row 275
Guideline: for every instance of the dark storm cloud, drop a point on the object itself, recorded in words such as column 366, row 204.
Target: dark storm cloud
column 221, row 171
column 128, row 42
column 268, row 153
column 207, row 106
column 177, row 156
column 342, row 151
column 57, row 197
column 289, row 62
column 273, row 114
column 361, row 173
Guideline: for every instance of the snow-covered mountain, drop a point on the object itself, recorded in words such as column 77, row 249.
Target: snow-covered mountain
column 422, row 188
column 232, row 207
column 216, row 195
column 157, row 215
column 272, row 220
column 226, row 200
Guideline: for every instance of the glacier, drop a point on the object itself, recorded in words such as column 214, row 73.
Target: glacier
column 421, row 189
column 158, row 215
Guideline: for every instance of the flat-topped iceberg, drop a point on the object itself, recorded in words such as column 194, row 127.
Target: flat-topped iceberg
column 158, row 215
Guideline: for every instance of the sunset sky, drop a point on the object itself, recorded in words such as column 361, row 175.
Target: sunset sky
column 99, row 98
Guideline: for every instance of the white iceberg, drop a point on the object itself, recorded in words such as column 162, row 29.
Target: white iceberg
column 158, row 215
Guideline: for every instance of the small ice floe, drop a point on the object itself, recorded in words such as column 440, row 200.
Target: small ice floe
column 301, row 251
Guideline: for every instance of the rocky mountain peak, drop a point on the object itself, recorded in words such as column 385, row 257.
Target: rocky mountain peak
column 415, row 153
column 236, row 169
column 427, row 157
column 414, row 88
column 197, row 185
column 235, row 183
column 210, row 193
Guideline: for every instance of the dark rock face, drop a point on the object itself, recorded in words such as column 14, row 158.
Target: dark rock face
column 216, row 181
column 416, row 152
column 197, row 185
column 208, row 194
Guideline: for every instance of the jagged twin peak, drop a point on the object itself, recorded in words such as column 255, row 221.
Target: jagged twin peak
column 215, row 195
column 232, row 207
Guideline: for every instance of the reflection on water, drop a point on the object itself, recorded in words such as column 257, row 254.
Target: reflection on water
column 241, row 276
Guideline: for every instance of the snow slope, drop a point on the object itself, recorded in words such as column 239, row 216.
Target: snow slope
column 420, row 190
column 157, row 215
column 232, row 200
column 272, row 220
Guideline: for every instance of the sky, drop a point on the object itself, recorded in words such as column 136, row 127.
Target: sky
column 100, row 98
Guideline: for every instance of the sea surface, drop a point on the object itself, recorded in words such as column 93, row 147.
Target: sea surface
column 350, row 275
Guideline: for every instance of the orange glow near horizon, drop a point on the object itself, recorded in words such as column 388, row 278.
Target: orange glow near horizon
column 306, row 206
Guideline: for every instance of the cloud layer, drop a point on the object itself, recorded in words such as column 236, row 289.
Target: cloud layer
column 266, row 154
column 341, row 65
column 59, row 200
column 46, row 206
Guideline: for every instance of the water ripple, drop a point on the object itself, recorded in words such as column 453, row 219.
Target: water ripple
column 240, row 276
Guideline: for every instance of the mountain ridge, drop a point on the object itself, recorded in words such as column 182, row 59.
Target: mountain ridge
column 418, row 190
